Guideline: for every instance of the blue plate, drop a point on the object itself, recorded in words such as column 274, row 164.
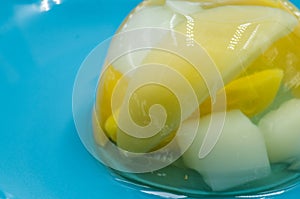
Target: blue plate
column 42, row 45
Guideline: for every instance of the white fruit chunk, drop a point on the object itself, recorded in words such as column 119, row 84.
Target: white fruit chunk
column 164, row 17
column 239, row 156
column 146, row 17
column 184, row 7
column 281, row 129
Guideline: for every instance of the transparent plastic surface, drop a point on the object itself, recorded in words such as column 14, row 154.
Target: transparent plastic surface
column 197, row 97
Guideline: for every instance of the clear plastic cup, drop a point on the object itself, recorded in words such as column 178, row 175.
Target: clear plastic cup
column 197, row 97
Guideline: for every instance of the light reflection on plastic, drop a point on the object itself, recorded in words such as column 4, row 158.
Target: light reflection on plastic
column 267, row 195
column 57, row 1
column 235, row 40
column 45, row 5
column 25, row 12
column 5, row 195
column 163, row 194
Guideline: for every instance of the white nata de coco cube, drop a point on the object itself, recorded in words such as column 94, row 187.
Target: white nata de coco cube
column 239, row 156
column 281, row 129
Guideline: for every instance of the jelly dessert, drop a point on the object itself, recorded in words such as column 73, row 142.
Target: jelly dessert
column 226, row 70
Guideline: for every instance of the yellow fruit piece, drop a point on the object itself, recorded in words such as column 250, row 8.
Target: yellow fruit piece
column 226, row 33
column 99, row 135
column 242, row 37
column 103, row 112
column 111, row 128
column 250, row 94
column 107, row 83
column 139, row 107
column 283, row 54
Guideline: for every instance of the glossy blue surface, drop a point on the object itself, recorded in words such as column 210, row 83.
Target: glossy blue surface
column 41, row 155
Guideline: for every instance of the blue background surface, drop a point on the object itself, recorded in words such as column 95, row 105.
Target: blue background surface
column 41, row 155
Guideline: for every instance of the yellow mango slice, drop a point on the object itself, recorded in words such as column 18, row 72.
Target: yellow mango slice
column 111, row 128
column 105, row 89
column 106, row 86
column 284, row 53
column 250, row 94
column 233, row 37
